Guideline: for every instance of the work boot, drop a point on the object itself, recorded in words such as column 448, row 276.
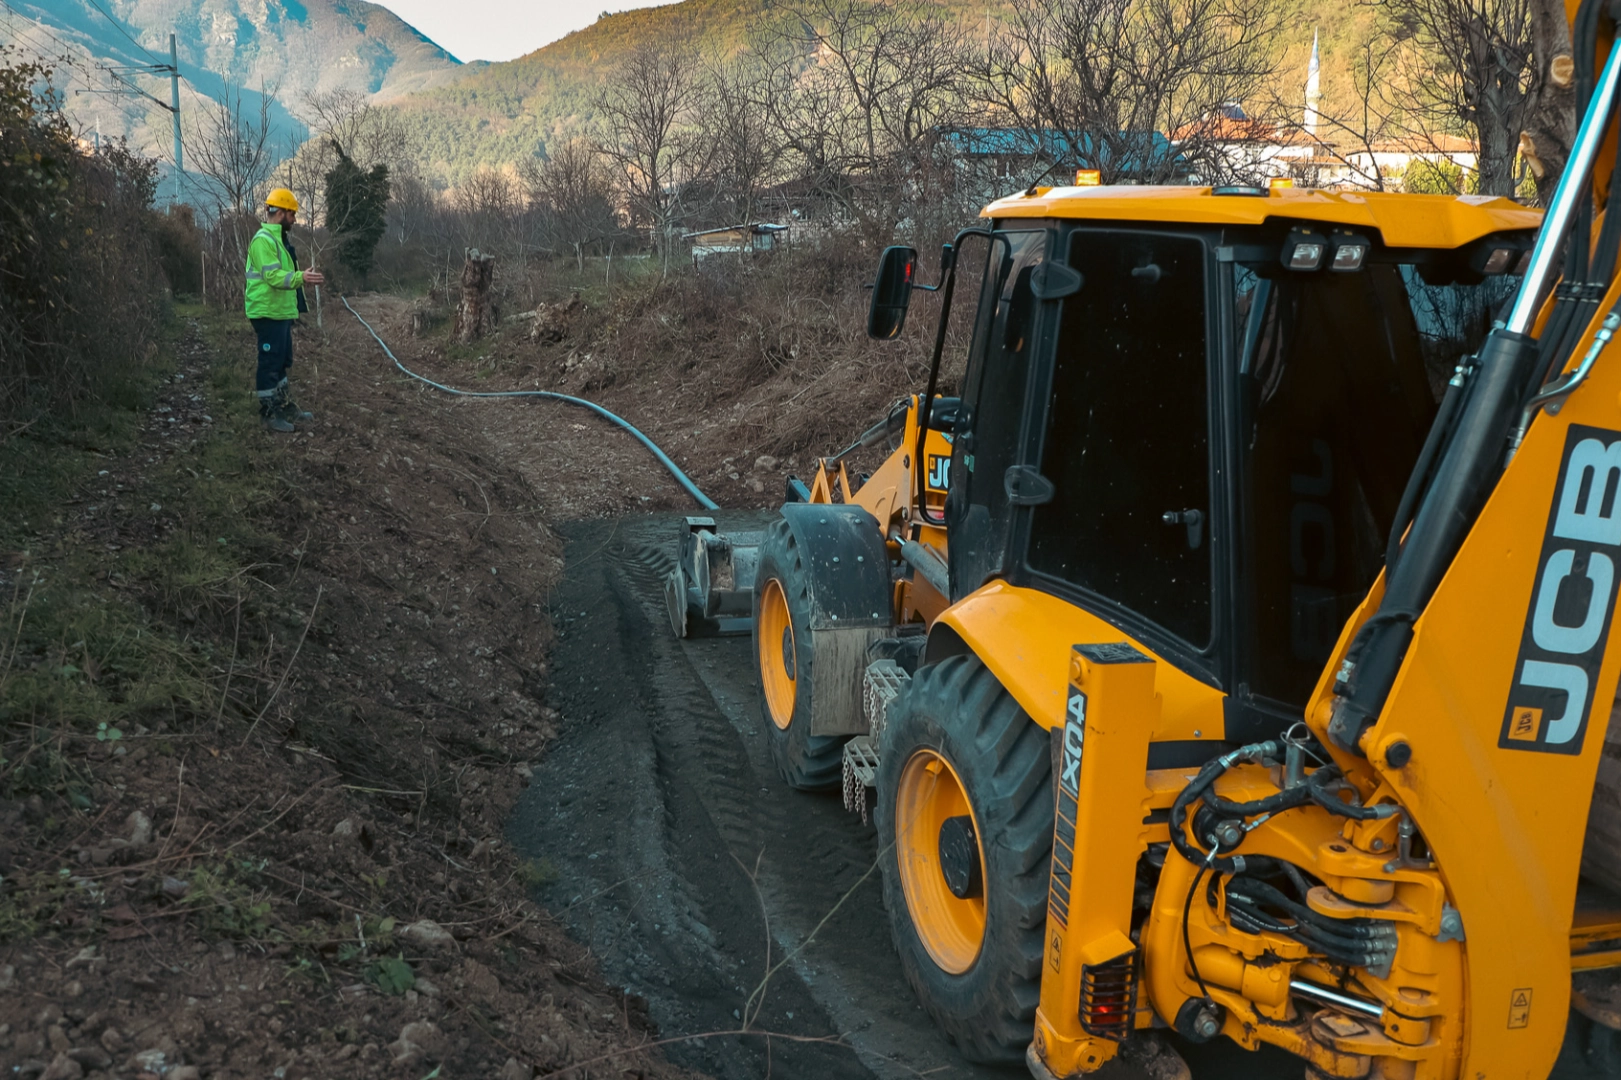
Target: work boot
column 270, row 415
column 286, row 408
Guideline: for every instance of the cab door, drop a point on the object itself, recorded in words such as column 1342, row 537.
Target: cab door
column 990, row 423
column 1128, row 533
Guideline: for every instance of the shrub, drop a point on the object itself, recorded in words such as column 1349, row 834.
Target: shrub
column 180, row 249
column 356, row 211
column 78, row 300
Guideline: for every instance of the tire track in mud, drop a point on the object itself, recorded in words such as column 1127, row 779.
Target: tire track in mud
column 658, row 794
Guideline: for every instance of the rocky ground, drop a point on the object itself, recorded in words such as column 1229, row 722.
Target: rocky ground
column 319, row 661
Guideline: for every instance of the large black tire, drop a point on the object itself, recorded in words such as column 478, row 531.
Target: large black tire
column 958, row 711
column 807, row 762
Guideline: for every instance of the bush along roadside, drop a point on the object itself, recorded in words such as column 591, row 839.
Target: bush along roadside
column 263, row 709
column 78, row 239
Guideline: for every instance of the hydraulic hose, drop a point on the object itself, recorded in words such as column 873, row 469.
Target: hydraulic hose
column 664, row 459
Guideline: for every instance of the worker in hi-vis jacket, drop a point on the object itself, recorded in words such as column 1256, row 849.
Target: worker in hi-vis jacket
column 274, row 297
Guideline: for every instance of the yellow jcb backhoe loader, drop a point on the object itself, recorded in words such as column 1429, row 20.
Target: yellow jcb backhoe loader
column 1232, row 654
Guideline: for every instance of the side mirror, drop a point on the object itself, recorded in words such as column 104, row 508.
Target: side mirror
column 892, row 292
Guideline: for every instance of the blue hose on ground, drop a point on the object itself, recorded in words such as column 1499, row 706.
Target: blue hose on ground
column 680, row 477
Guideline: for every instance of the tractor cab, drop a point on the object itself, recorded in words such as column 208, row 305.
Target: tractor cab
column 1200, row 430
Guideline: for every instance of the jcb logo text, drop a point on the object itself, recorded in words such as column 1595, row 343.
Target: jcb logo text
column 1562, row 645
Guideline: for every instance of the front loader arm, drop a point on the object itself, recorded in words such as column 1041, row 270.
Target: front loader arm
column 1474, row 689
column 712, row 582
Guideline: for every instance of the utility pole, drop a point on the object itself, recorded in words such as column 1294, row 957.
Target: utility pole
column 125, row 85
column 174, row 109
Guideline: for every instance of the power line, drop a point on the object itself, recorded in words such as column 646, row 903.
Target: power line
column 120, row 84
column 32, row 27
column 31, row 30
column 119, row 27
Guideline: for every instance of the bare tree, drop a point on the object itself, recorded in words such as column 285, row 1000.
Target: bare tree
column 1346, row 138
column 1092, row 83
column 229, row 146
column 572, row 192
column 368, row 134
column 742, row 147
column 1472, row 72
column 490, row 207
column 413, row 206
column 864, row 96
column 647, row 108
column 343, row 123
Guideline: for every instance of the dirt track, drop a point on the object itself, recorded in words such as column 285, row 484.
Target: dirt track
column 659, row 801
column 657, row 804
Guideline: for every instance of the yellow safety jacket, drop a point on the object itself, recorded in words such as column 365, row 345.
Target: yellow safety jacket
column 272, row 291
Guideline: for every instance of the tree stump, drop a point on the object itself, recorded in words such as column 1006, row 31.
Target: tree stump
column 475, row 313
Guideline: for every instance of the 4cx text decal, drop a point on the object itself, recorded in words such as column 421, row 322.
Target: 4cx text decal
column 1568, row 623
column 1069, row 790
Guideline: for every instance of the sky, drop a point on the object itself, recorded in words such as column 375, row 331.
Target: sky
column 503, row 29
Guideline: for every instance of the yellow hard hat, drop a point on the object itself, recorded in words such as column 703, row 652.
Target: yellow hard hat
column 282, row 199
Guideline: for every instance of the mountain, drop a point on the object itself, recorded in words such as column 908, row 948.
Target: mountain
column 288, row 47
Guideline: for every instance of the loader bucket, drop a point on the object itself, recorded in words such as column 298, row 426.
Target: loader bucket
column 711, row 589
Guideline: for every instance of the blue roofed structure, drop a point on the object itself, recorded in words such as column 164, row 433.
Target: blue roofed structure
column 1144, row 156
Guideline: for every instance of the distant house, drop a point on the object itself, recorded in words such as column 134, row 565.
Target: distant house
column 750, row 239
column 1020, row 153
column 805, row 201
column 1226, row 144
column 1391, row 157
column 1230, row 144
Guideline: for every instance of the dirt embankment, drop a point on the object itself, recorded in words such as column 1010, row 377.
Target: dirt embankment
column 265, row 704
column 743, row 371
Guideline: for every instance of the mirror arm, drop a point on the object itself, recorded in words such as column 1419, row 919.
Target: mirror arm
column 948, row 283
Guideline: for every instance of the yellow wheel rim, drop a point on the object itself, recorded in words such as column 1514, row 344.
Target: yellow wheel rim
column 779, row 661
column 952, row 928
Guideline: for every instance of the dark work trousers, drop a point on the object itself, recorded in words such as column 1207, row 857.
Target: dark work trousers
column 275, row 354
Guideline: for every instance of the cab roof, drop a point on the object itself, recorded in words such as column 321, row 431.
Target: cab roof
column 1418, row 221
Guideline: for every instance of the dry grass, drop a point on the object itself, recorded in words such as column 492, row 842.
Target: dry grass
column 723, row 363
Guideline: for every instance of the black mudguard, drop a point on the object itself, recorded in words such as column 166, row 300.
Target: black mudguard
column 848, row 564
column 851, row 605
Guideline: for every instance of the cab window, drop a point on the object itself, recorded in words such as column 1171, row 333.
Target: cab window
column 991, row 418
column 1127, row 441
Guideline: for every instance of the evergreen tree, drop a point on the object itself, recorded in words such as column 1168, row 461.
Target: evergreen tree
column 356, row 211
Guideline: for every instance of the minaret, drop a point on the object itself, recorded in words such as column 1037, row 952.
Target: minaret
column 1313, row 93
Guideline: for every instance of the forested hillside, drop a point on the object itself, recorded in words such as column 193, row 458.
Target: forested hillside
column 502, row 113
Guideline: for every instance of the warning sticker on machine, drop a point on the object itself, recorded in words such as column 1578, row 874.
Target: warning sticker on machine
column 1519, row 1008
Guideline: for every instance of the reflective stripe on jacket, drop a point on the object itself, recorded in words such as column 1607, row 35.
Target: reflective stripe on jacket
column 272, row 286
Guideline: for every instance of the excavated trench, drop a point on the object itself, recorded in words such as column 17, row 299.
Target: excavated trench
column 690, row 870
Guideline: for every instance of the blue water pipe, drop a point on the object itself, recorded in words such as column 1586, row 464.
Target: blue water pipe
column 664, row 459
